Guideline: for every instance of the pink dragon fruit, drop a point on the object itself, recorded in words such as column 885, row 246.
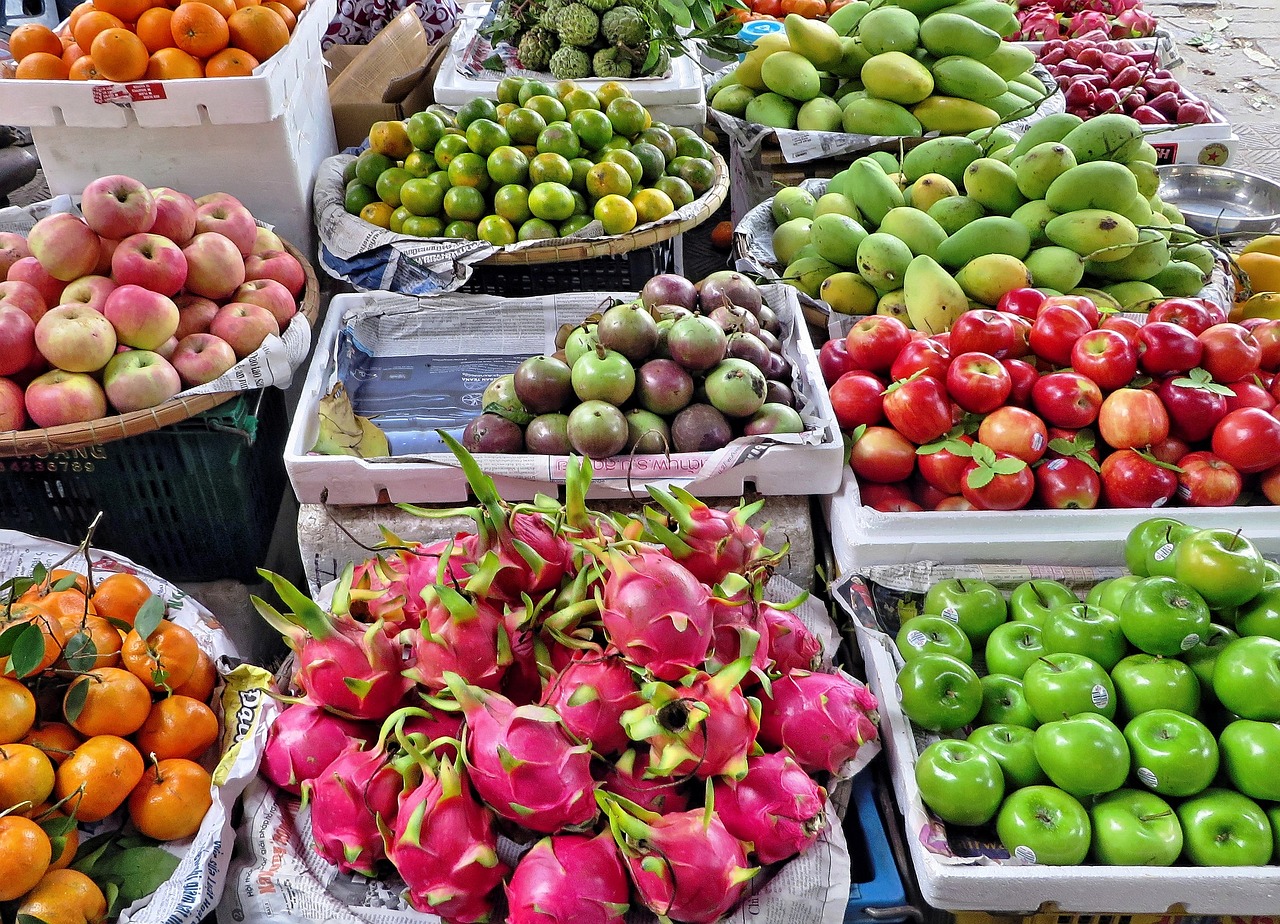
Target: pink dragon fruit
column 1039, row 25
column 822, row 719
column 344, row 666
column 569, row 879
column 461, row 632
column 704, row 727
column 303, row 740
column 523, row 763
column 389, row 586
column 590, row 695
column 656, row 613
column 685, row 866
column 1088, row 21
column 627, row 777
column 438, row 728
column 776, row 807
column 444, row 846
column 350, row 802
column 735, row 615
column 1133, row 23
column 711, row 543
column 791, row 646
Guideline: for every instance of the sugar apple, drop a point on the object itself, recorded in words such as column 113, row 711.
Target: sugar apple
column 577, row 24
column 609, row 63
column 551, row 13
column 536, row 47
column 529, row 13
column 570, row 63
column 624, row 24
column 599, row 5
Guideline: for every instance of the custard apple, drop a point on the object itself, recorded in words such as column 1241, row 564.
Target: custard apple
column 550, row 13
column 608, row 63
column 625, row 25
column 530, row 13
column 599, row 5
column 570, row 63
column 536, row 47
column 578, row 24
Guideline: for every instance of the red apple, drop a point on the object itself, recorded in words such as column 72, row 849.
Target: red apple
column 1083, row 304
column 17, row 340
column 29, row 270
column 88, row 290
column 229, row 219
column 918, row 408
column 13, row 247
column 930, row 356
column 285, row 269
column 1068, row 484
column 925, row 494
column 195, row 314
column 1170, row 449
column 75, row 338
column 139, row 379
column 152, row 262
column 941, row 467
column 1248, row 393
column 24, row 296
column 978, row 383
column 1014, row 431
column 1165, row 348
column 175, row 215
column 1022, row 302
column 1024, row 376
column 219, row 198
column 13, row 408
column 1126, row 326
column 992, row 332
column 1107, row 357
column 1129, row 479
column 201, row 358
column 1131, row 418
column 215, row 268
column 118, row 206
column 1230, row 352
column 1190, row 313
column 1269, row 484
column 833, row 358
column 857, row 398
column 266, row 239
column 880, row 496
column 987, row 487
column 1195, row 405
column 143, row 318
column 106, row 250
column 166, row 349
column 244, row 327
column 1249, row 439
column 60, row 397
column 1055, row 331
column 956, row 503
column 1267, row 335
column 1207, row 481
column 882, row 454
column 873, row 343
column 1067, row 399
column 64, row 245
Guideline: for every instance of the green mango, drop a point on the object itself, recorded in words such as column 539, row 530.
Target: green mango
column 1095, row 234
column 914, row 228
column 956, row 212
column 1197, row 255
column 897, row 77
column 772, row 110
column 1010, row 106
column 852, row 56
column 1010, row 60
column 733, row 100
column 930, row 188
column 1128, row 294
column 894, row 304
column 837, row 204
column 845, row 20
column 1138, row 211
column 947, row 156
column 808, row 273
column 848, row 293
column 996, row 15
column 889, row 28
column 792, row 202
column 993, row 139
column 882, row 261
column 1033, row 95
column 984, row 279
column 1052, row 127
column 888, row 163
column 1179, row 279
column 789, row 237
column 966, row 78
column 1146, row 176
column 1055, row 267
column 934, row 299
column 922, row 8
column 1095, row 185
column 951, row 34
column 1033, row 216
column 870, row 116
column 792, row 75
column 1037, row 170
column 994, row 184
column 951, row 115
column 836, row 238
column 1112, row 137
column 1099, row 298
column 993, row 234
column 822, row 114
column 871, row 190
column 1146, row 153
column 1141, row 264
column 814, row 39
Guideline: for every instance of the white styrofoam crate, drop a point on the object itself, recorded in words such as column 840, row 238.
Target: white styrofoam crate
column 772, row 467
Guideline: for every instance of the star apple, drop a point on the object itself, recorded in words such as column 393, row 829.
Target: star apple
column 75, row 338
column 1164, row 616
column 1107, row 357
column 857, row 397
column 1248, row 438
column 960, row 782
column 64, row 245
column 1165, row 348
column 1004, row 701
column 142, row 318
column 929, row 356
column 1204, row 656
column 88, row 290
column 939, row 692
column 1207, row 481
column 881, row 454
column 139, row 379
column 118, row 206
column 1084, row 755
column 215, row 268
column 1174, row 754
column 834, row 361
column 1012, row 647
column 201, row 358
column 1131, row 479
column 1055, row 331
column 874, row 342
column 976, row 606
column 1229, row 352
column 1067, row 399
column 1043, row 824
column 1110, row 594
column 919, row 408
column 13, row 409
column 977, row 382
column 1067, row 684
column 1013, row 747
column 245, row 327
column 1246, row 678
column 1185, row 312
column 933, row 635
column 230, row 219
column 1145, row 682
column 284, row 268
column 1132, row 827
column 1068, row 484
column 1223, row 566
column 17, row 340
column 942, row 463
column 23, row 296
column 1224, row 828
column 1015, row 431
column 1149, row 547
column 60, row 397
column 175, row 215
column 1195, row 404
column 1261, row 615
column 1086, row 630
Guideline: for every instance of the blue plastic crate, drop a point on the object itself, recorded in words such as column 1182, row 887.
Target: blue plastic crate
column 877, row 894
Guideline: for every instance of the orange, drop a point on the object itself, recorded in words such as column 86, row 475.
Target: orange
column 41, row 65
column 230, row 62
column 258, row 30
column 119, row 596
column 1263, row 270
column 125, row 10
column 64, row 845
column 69, row 602
column 104, row 636
column 65, row 896
column 71, row 54
column 153, row 29
column 98, row 777
column 164, row 659
column 200, row 685
column 111, row 701
column 224, row 7
column 24, row 856
column 171, row 800
column 32, row 37
column 83, row 68
column 177, row 726
column 240, row 4
column 92, row 23
column 26, row 776
column 17, row 710
column 199, row 29
column 296, row 6
column 119, row 55
column 85, row 7
column 173, row 64
column 54, row 635
column 290, row 20
column 56, row 739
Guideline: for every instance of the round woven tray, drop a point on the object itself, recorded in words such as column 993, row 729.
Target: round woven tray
column 42, row 442
column 566, row 251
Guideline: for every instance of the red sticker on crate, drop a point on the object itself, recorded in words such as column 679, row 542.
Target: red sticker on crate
column 124, row 94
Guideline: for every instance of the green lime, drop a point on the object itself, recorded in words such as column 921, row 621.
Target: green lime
column 389, row 183
column 612, row 90
column 465, row 230
column 551, row 201
column 562, row 88
column 574, row 223
column 484, row 136
column 421, row 196
column 377, row 213
column 629, row 162
column 693, row 147
column 349, row 172
column 449, row 147
column 439, row 180
column 559, row 138
column 464, row 203
column 592, row 126
column 420, row 226
column 398, row 216
column 507, row 165
column 679, row 131
column 628, row 116
column 580, row 166
column 616, row 143
column 533, row 88
column 616, row 213
column 512, row 203
column 524, row 126
column 420, row 163
column 661, row 139
column 652, row 161
column 357, row 197
column 651, row 205
column 674, row 165
column 496, row 230
column 509, row 89
column 425, row 129
column 548, row 107
column 608, row 178
column 699, row 174
column 369, row 167
column 550, row 168
column 535, row 229
column 504, row 110
column 677, row 190
column 468, row 169
column 580, row 204
column 478, row 108
column 579, row 99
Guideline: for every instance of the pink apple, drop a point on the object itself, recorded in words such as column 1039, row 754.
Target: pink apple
column 230, row 219
column 65, row 246
column 143, row 319
column 166, row 349
column 285, row 269
column 106, row 250
column 150, row 261
column 271, row 295
column 13, row 247
column 13, row 408
column 60, row 397
column 266, row 239
column 218, row 198
column 139, row 379
column 88, row 290
column 201, row 358
column 75, row 338
column 17, row 339
column 25, row 296
column 29, row 270
column 244, row 326
column 175, row 215
column 118, row 206
column 194, row 314
column 215, row 267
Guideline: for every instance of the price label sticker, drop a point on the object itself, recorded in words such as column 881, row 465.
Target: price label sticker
column 917, row 639
column 1191, row 641
column 951, row 613
column 1100, row 696
column 1025, row 854
column 1146, row 777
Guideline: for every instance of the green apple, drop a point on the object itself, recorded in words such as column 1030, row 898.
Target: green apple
column 1246, row 678
column 1003, row 701
column 1085, row 755
column 1273, row 816
column 1261, row 615
column 1144, row 682
column 977, row 606
column 1060, row 685
column 1086, row 630
column 1012, row 647
column 939, row 692
column 1014, row 748
column 1163, row 616
column 960, row 782
column 1031, row 601
column 1110, row 594
column 1151, row 545
column 1270, row 570
column 933, row 635
column 1221, row 564
column 1043, row 824
column 1204, row 656
column 1174, row 754
column 1132, row 827
column 1251, row 755
column 1223, row 828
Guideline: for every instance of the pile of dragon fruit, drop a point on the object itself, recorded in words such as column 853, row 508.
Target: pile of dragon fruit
column 1092, row 20
column 613, row 690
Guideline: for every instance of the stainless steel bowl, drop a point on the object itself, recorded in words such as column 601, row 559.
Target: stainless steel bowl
column 1219, row 200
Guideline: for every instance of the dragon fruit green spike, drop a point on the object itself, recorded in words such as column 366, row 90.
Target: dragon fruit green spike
column 569, row 879
column 737, row 615
column 344, row 666
column 590, row 695
column 627, row 777
column 656, row 613
column 711, row 543
column 792, row 647
column 704, row 726
column 523, row 763
column 685, row 866
column 445, row 848
column 390, row 585
column 776, row 807
column 351, row 802
column 302, row 742
column 821, row 719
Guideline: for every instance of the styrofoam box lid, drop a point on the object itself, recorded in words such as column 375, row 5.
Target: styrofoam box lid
column 172, row 103
column 772, row 467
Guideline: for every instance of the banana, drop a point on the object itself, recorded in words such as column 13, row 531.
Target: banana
column 343, row 432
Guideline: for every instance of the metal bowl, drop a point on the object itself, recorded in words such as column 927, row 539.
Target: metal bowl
column 1221, row 201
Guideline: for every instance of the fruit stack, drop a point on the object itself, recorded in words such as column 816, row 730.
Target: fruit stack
column 1099, row 77
column 148, row 293
column 616, row 692
column 1135, row 728
column 1091, row 20
column 609, row 39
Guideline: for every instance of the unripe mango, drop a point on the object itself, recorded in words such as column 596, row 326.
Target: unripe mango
column 954, row 116
column 1095, row 185
column 807, row 274
column 956, row 212
column 872, row 190
column 1055, row 267
column 1010, row 60
column 950, row 34
column 934, row 299
column 888, row 163
column 821, row 114
column 1039, row 167
column 1052, row 127
column 1112, row 136
column 993, row 234
column 929, row 189
column 894, row 304
column 845, row 20
column 993, row 184
column 914, row 228
column 789, row 237
column 836, row 203
column 836, row 238
column 1145, row 174
column 889, row 28
column 1033, row 216
column 773, row 110
column 1148, row 258
column 871, row 116
column 1179, row 279
column 733, row 100
column 1095, row 234
column 882, row 261
column 1130, row 294
column 947, row 156
column 814, row 39
column 991, row 275
column 993, row 139
column 966, row 78
column 848, row 293
column 791, row 75
column 897, row 77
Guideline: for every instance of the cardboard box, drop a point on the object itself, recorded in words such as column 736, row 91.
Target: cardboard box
column 390, row 78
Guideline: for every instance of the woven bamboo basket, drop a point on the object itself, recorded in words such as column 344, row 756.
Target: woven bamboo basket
column 42, row 442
